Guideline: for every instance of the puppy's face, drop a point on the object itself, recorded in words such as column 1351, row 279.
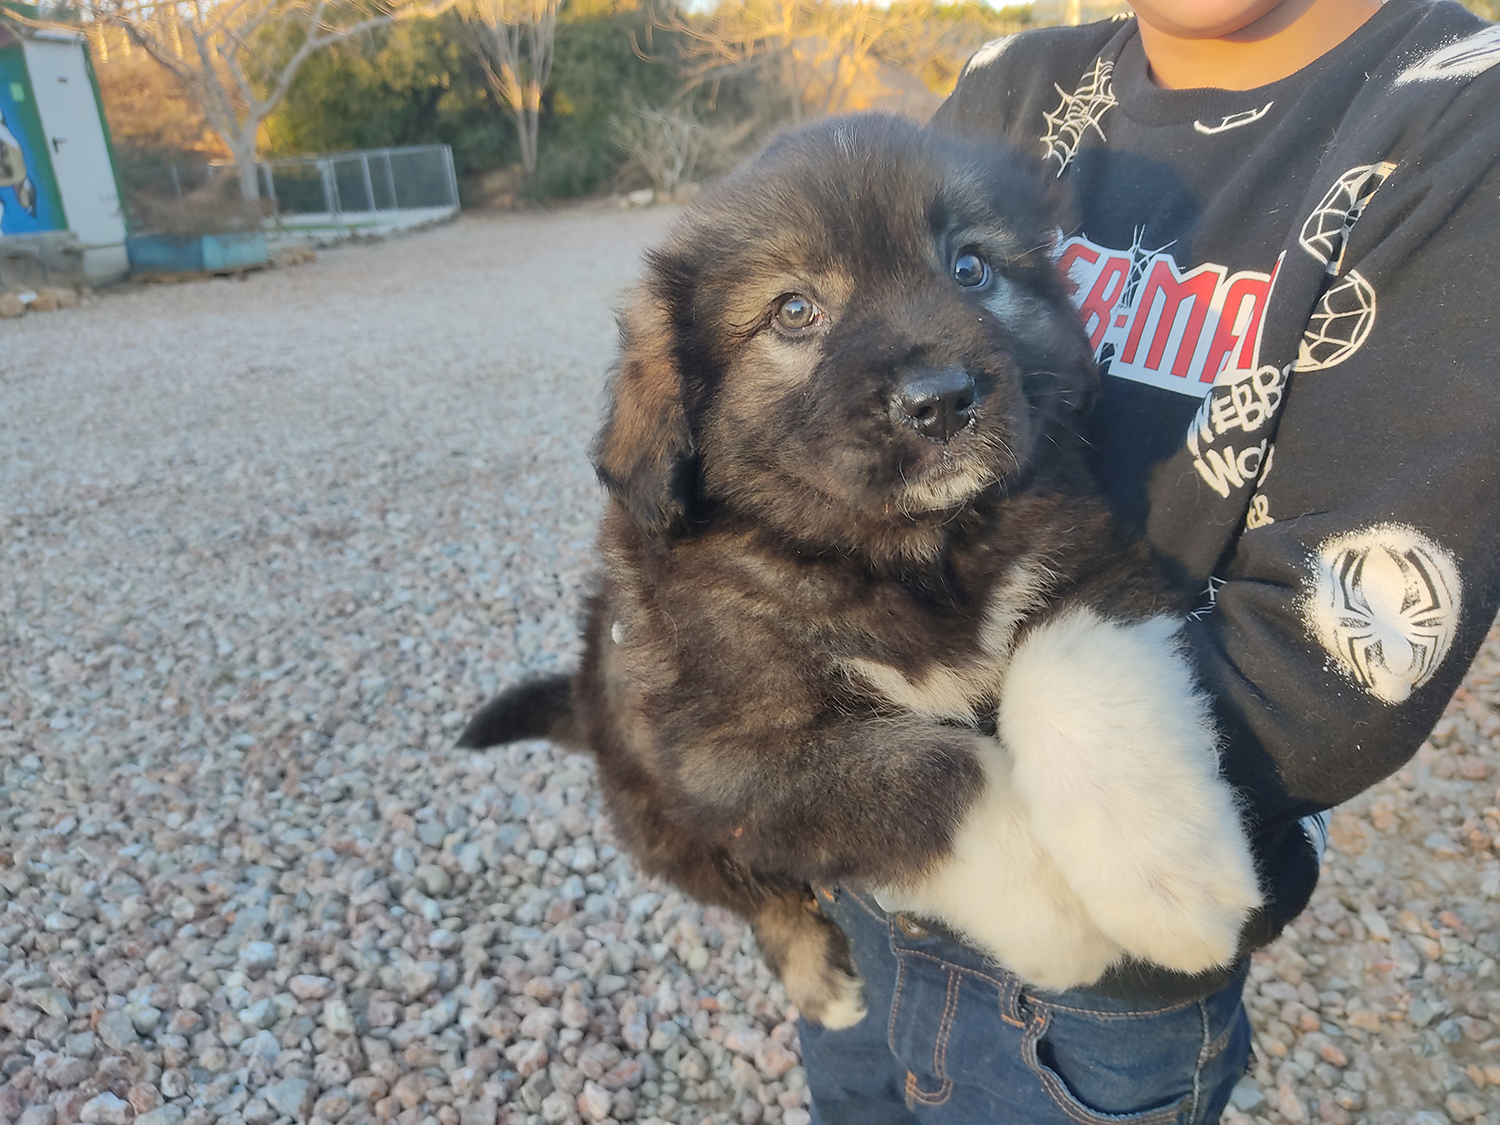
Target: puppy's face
column 865, row 332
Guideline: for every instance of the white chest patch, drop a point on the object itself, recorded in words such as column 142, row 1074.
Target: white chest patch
column 955, row 692
column 940, row 693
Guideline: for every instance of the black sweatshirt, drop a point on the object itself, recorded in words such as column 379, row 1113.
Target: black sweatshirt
column 1292, row 292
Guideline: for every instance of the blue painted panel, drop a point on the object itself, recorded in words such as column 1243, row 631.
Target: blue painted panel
column 233, row 251
column 195, row 253
column 29, row 201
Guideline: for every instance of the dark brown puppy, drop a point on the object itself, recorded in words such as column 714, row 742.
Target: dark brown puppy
column 849, row 513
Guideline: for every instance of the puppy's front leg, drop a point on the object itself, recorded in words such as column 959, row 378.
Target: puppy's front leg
column 875, row 802
column 861, row 801
column 1115, row 757
column 811, row 956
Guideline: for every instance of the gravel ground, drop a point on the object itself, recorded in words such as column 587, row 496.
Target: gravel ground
column 265, row 543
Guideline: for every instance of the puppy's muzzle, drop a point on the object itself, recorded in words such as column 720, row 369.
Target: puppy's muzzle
column 937, row 404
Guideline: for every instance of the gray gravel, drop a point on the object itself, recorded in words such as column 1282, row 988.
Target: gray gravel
column 265, row 543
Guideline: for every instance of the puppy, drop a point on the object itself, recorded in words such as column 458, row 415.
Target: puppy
column 862, row 617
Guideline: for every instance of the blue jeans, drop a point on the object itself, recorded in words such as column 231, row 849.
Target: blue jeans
column 951, row 1038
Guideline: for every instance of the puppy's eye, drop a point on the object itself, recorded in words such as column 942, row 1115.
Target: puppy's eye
column 970, row 270
column 797, row 314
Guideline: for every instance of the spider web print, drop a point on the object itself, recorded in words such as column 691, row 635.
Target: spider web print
column 1140, row 263
column 1326, row 232
column 1385, row 604
column 1339, row 325
column 1079, row 112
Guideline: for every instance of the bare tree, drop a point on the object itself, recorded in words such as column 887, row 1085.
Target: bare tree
column 238, row 58
column 514, row 40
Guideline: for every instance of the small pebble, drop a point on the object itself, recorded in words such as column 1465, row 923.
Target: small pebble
column 434, row 880
column 117, row 1030
column 257, row 956
column 106, row 1109
column 290, row 1096
column 305, row 987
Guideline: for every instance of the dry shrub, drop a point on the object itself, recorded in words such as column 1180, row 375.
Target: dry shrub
column 663, row 143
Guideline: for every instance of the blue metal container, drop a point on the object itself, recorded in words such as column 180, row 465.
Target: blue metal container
column 196, row 253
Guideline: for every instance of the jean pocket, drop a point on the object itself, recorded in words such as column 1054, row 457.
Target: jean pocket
column 923, row 1008
column 1107, row 1067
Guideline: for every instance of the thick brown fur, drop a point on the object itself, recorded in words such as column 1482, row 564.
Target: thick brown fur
column 800, row 590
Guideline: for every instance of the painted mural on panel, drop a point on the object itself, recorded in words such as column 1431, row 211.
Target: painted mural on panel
column 28, row 198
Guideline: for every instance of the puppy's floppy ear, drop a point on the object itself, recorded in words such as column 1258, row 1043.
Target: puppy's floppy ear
column 643, row 450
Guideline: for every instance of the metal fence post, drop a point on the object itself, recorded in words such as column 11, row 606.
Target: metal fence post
column 452, row 176
column 270, row 183
column 330, row 189
column 390, row 179
column 364, row 163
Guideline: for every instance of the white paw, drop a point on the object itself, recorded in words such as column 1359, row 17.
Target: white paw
column 1115, row 758
column 810, row 972
column 1004, row 895
column 847, row 1008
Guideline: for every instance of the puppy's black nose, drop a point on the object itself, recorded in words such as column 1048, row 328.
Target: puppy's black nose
column 937, row 403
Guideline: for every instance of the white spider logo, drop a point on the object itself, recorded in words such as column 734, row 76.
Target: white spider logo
column 1385, row 604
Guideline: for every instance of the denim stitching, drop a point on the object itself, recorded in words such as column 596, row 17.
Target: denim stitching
column 940, row 1096
column 878, row 916
column 1010, row 1009
column 996, row 981
column 1218, row 1045
column 914, row 1092
column 1202, row 1060
column 890, row 1027
column 1142, row 1014
column 1008, row 981
column 945, row 1028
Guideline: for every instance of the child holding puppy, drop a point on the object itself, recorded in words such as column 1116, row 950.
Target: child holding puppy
column 1284, row 239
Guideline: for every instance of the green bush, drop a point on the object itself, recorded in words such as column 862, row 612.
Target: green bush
column 405, row 84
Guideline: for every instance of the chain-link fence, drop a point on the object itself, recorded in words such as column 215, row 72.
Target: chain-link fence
column 376, row 188
column 348, row 184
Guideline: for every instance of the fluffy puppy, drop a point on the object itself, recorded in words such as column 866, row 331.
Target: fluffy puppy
column 862, row 617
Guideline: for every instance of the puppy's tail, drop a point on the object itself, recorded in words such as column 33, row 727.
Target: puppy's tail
column 540, row 708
